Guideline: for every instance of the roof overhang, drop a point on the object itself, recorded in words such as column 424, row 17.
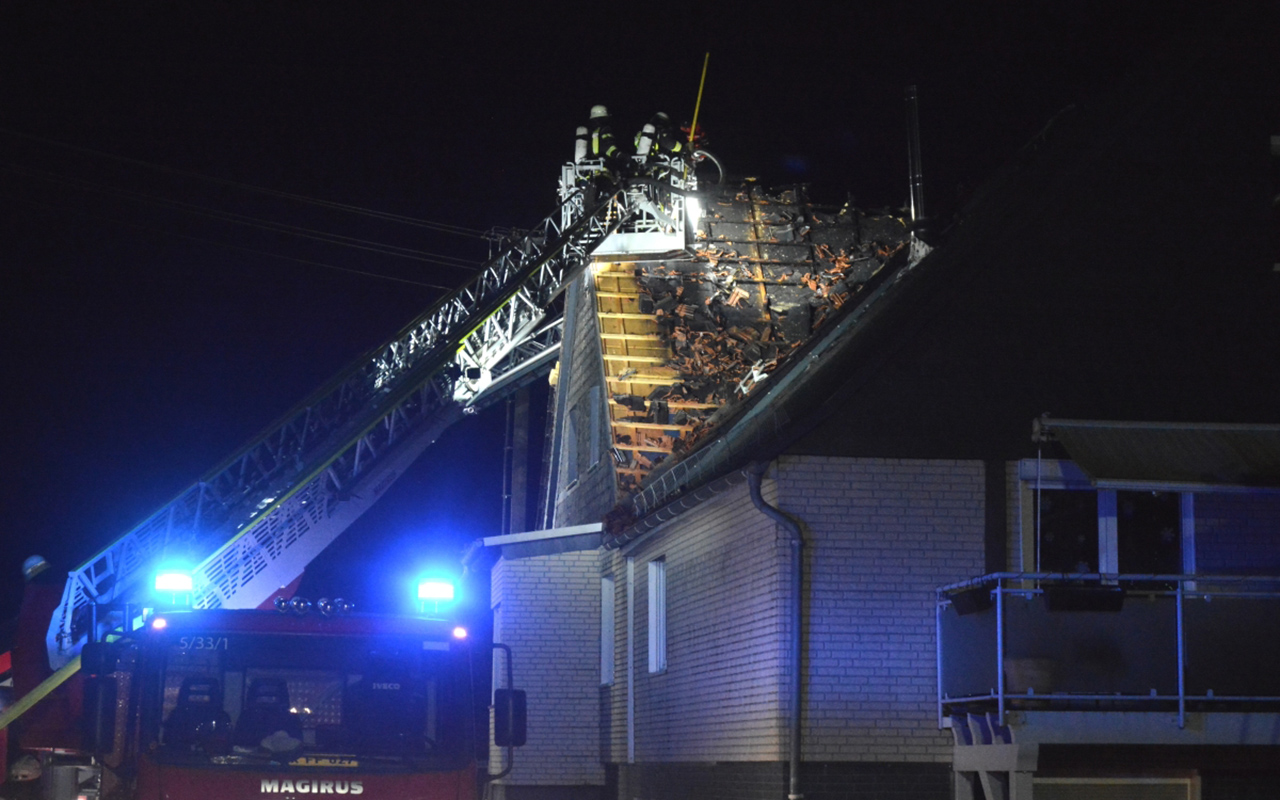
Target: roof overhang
column 1170, row 456
column 548, row 542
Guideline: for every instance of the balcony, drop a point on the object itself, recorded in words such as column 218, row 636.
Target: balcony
column 1075, row 646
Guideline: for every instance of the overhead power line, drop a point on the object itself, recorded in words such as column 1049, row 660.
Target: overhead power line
column 440, row 227
column 255, row 222
column 241, row 248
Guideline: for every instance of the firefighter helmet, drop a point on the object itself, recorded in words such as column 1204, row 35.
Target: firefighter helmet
column 33, row 566
column 599, row 111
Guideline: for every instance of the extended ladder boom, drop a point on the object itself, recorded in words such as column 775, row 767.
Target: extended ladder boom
column 258, row 518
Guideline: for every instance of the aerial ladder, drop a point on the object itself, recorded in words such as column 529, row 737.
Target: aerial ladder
column 253, row 523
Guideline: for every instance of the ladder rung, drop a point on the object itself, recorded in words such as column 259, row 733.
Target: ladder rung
column 649, row 426
column 645, row 448
column 644, row 359
column 661, row 380
column 684, row 404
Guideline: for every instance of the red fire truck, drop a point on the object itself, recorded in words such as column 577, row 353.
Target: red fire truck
column 304, row 700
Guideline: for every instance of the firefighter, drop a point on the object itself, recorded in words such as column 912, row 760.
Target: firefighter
column 667, row 138
column 51, row 722
column 41, row 594
column 659, row 135
column 601, row 143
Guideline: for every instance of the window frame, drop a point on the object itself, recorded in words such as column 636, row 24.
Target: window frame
column 657, row 593
column 608, row 630
column 1064, row 475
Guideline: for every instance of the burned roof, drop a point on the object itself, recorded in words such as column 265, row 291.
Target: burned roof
column 687, row 342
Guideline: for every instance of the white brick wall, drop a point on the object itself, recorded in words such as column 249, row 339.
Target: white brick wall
column 721, row 696
column 550, row 618
column 881, row 535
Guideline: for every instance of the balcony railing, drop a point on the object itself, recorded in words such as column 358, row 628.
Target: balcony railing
column 1039, row 641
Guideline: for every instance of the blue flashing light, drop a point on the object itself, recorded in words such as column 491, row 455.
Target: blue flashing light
column 436, row 590
column 459, row 632
column 159, row 624
column 172, row 582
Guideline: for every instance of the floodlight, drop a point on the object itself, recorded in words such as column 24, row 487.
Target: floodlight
column 693, row 208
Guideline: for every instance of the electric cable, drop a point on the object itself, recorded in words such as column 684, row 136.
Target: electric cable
column 255, row 251
column 457, row 230
column 255, row 222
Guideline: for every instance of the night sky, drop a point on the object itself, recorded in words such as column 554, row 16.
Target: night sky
column 147, row 334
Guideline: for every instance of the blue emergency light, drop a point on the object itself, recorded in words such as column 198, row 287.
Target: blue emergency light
column 174, row 588
column 173, row 582
column 434, row 592
column 437, row 590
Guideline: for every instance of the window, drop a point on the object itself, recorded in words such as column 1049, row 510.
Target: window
column 606, row 630
column 582, row 436
column 594, row 403
column 1068, row 531
column 657, row 615
column 571, row 440
column 1076, row 528
column 395, row 698
column 1132, row 532
column 499, row 664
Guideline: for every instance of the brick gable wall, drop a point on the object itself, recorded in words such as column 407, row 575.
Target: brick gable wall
column 721, row 696
column 881, row 535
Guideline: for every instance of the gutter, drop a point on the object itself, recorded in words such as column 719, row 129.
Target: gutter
column 686, row 502
column 755, row 473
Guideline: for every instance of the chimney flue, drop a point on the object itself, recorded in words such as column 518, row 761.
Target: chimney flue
column 913, row 155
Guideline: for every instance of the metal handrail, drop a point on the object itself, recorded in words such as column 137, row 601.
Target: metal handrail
column 1082, row 577
column 1029, row 584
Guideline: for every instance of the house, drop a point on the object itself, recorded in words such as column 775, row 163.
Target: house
column 868, row 524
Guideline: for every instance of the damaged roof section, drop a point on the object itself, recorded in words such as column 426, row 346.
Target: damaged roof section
column 686, row 341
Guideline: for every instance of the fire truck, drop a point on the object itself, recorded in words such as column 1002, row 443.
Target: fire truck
column 310, row 698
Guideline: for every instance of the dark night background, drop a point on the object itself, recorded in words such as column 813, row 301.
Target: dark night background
column 142, row 342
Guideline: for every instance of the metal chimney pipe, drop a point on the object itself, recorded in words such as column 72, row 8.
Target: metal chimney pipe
column 913, row 155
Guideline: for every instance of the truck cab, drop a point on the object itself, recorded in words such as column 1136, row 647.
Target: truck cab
column 267, row 703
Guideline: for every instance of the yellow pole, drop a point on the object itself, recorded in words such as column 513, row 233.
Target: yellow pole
column 693, row 129
column 37, row 694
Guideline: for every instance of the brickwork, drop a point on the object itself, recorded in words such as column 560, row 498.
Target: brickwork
column 721, row 696
column 1014, row 511
column 881, row 535
column 550, row 618
column 1238, row 533
column 613, row 698
column 590, row 496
